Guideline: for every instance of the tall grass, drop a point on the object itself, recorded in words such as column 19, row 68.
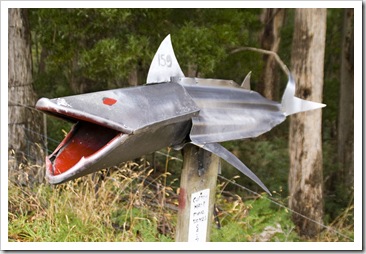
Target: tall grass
column 134, row 202
column 121, row 207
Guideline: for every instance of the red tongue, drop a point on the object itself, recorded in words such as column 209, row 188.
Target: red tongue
column 85, row 141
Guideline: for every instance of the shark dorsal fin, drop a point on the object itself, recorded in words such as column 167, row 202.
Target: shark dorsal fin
column 164, row 64
column 246, row 82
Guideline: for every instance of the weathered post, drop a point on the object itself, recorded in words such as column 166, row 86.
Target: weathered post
column 197, row 195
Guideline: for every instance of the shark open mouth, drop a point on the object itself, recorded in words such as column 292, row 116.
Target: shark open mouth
column 84, row 140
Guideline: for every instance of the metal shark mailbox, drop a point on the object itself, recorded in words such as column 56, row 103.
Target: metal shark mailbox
column 170, row 110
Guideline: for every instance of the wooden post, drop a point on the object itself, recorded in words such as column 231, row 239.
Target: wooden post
column 199, row 176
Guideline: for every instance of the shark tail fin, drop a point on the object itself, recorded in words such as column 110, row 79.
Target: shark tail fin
column 291, row 104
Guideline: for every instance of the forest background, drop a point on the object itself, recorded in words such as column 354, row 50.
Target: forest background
column 84, row 50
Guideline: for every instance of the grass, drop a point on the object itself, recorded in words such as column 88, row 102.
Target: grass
column 119, row 208
column 134, row 202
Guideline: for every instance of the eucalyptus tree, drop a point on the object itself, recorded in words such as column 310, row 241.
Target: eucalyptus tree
column 346, row 103
column 23, row 127
column 305, row 140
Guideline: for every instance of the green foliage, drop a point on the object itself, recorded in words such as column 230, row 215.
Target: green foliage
column 264, row 212
column 332, row 69
column 108, row 58
column 260, row 221
column 336, row 197
column 268, row 158
column 142, row 225
column 105, row 45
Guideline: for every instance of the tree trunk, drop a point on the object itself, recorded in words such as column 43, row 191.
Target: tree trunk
column 272, row 20
column 345, row 120
column 24, row 122
column 305, row 143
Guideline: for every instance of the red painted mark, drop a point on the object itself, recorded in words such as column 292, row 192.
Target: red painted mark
column 182, row 199
column 109, row 101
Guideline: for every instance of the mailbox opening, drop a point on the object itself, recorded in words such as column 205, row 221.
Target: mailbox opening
column 83, row 140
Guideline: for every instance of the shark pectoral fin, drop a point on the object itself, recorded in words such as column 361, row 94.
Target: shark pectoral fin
column 223, row 153
column 292, row 105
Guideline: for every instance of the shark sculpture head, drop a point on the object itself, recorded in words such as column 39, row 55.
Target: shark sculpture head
column 118, row 125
